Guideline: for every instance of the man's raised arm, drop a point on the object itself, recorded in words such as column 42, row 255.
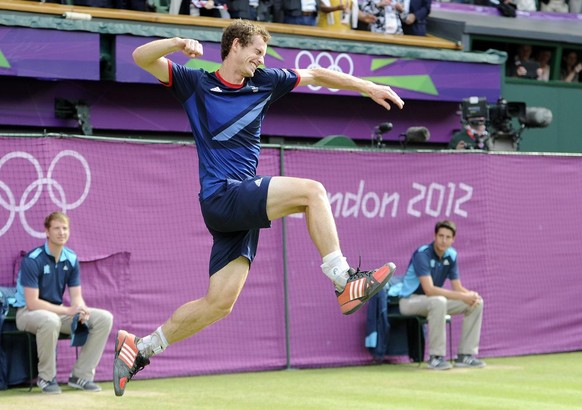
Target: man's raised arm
column 151, row 56
column 334, row 79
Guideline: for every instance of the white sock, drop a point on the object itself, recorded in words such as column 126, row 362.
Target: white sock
column 153, row 344
column 336, row 268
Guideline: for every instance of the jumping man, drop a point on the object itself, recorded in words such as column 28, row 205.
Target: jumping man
column 226, row 109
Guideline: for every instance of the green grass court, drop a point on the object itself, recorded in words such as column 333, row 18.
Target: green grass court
column 549, row 382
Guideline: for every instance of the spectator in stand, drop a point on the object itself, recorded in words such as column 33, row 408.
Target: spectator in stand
column 525, row 5
column 302, row 12
column 414, row 15
column 387, row 15
column 523, row 66
column 554, row 6
column 243, row 9
column 544, row 58
column 209, row 8
column 255, row 10
column 365, row 19
column 205, row 8
column 338, row 15
column 571, row 68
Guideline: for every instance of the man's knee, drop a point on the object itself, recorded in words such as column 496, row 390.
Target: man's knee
column 220, row 309
column 52, row 323
column 478, row 306
column 102, row 318
column 40, row 321
column 316, row 189
column 437, row 304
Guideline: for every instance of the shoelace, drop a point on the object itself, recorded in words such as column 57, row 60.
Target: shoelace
column 140, row 363
column 358, row 273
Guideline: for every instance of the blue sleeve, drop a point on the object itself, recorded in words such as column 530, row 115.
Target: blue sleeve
column 28, row 275
column 75, row 278
column 421, row 264
column 422, row 9
column 283, row 80
column 183, row 80
column 453, row 271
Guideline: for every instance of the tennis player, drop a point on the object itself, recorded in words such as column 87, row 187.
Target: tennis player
column 226, row 109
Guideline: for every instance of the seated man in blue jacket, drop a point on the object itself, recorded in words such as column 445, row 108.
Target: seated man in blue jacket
column 45, row 273
column 414, row 17
column 423, row 294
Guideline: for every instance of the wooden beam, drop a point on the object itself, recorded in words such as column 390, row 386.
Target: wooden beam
column 291, row 29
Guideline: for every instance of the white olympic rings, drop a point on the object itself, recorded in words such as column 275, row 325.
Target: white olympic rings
column 25, row 203
column 325, row 57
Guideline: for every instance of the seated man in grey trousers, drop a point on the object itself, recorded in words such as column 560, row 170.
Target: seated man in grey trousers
column 44, row 274
column 423, row 294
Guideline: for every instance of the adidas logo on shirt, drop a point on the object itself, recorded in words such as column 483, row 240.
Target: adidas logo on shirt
column 258, row 182
column 216, row 89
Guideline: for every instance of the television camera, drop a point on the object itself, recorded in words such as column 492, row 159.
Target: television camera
column 412, row 134
column 500, row 119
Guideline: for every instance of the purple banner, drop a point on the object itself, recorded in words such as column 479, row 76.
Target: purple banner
column 152, row 108
column 27, row 52
column 136, row 225
column 413, row 79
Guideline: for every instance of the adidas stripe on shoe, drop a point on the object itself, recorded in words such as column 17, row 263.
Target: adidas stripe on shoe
column 128, row 361
column 361, row 286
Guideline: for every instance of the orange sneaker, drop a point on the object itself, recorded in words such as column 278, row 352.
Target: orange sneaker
column 128, row 361
column 361, row 286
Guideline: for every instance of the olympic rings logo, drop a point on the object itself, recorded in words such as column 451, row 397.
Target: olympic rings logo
column 343, row 63
column 32, row 193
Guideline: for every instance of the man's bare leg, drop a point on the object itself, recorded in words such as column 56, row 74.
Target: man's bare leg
column 294, row 195
column 132, row 353
column 297, row 195
column 223, row 291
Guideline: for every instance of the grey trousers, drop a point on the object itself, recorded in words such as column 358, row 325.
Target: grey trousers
column 435, row 308
column 47, row 326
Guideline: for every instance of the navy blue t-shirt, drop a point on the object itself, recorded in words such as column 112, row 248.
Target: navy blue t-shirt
column 425, row 262
column 226, row 119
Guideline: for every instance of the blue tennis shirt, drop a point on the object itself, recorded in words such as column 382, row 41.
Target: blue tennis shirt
column 226, row 119
column 39, row 270
column 425, row 262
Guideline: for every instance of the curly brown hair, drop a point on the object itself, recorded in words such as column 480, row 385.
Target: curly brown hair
column 245, row 31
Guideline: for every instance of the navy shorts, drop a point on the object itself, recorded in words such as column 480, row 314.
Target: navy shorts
column 234, row 215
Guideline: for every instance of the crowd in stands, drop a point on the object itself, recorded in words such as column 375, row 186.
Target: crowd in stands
column 536, row 65
column 393, row 17
column 384, row 16
column 379, row 16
